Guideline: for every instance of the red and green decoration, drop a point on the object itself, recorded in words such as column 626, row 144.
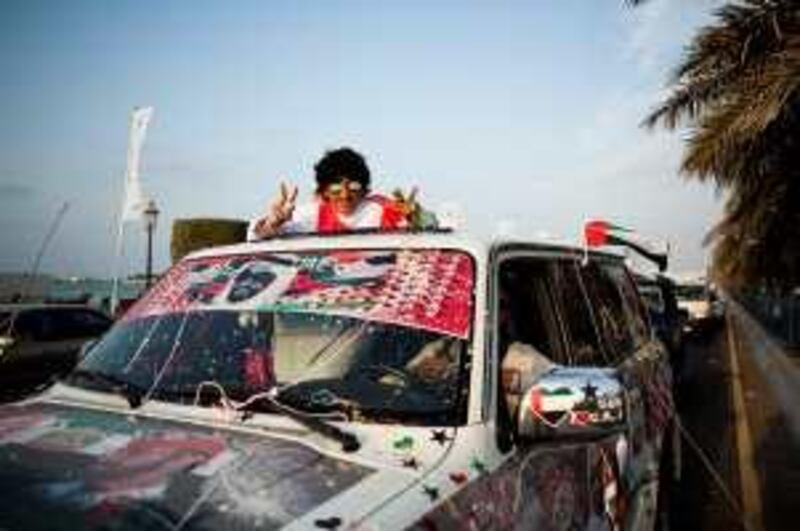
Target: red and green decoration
column 598, row 233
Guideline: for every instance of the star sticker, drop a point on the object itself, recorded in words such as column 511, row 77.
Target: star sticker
column 411, row 462
column 477, row 465
column 431, row 492
column 458, row 477
column 440, row 436
column 404, row 443
column 589, row 390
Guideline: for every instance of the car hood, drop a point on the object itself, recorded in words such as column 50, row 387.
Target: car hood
column 63, row 467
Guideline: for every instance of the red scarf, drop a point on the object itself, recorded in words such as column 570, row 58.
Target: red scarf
column 392, row 217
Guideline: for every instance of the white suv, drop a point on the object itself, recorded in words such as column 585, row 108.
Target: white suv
column 380, row 381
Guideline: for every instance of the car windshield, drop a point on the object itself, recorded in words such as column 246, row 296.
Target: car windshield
column 381, row 335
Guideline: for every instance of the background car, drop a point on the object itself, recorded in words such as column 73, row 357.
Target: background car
column 701, row 305
column 693, row 297
column 658, row 293
column 41, row 341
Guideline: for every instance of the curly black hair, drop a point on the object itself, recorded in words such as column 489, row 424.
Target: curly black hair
column 341, row 163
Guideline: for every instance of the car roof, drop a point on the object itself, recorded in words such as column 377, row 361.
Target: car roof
column 23, row 306
column 478, row 246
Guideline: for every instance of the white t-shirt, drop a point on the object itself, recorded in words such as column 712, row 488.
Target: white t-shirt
column 367, row 215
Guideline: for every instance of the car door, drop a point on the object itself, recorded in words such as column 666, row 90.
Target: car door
column 582, row 318
column 642, row 362
column 559, row 482
column 546, row 306
column 516, row 483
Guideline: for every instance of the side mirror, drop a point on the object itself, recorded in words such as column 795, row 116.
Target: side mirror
column 570, row 402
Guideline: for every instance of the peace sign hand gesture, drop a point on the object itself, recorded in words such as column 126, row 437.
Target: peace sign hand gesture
column 415, row 215
column 279, row 211
column 282, row 207
column 406, row 203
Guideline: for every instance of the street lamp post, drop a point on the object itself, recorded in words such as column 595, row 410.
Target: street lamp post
column 150, row 218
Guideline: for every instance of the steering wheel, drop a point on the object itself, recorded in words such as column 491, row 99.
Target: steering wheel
column 379, row 372
column 393, row 386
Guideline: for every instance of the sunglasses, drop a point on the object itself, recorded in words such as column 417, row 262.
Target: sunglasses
column 338, row 189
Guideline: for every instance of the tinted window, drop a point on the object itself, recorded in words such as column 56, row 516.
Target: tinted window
column 36, row 325
column 585, row 345
column 609, row 310
column 54, row 324
column 530, row 333
column 527, row 309
column 632, row 304
column 82, row 323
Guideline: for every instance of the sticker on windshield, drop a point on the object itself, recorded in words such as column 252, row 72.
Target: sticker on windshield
column 428, row 289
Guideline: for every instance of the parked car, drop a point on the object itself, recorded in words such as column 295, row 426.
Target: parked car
column 39, row 342
column 703, row 309
column 394, row 381
column 659, row 295
column 693, row 297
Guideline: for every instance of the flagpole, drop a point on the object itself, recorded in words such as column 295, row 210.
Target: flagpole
column 585, row 238
column 133, row 200
column 117, row 256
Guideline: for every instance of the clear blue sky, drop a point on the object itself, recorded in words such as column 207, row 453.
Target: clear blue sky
column 525, row 113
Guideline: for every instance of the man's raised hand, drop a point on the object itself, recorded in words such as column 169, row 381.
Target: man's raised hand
column 279, row 211
column 282, row 207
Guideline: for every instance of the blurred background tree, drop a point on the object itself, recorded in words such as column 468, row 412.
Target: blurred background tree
column 737, row 90
column 192, row 234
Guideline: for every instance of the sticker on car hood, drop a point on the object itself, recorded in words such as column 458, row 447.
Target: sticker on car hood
column 84, row 469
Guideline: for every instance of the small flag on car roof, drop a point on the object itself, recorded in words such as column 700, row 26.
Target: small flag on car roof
column 598, row 233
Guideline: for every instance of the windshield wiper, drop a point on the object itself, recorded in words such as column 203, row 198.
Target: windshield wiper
column 132, row 393
column 348, row 441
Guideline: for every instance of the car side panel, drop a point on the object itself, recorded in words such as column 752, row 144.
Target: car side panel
column 541, row 486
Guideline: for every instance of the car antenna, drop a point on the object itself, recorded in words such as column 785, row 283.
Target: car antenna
column 54, row 225
column 28, row 279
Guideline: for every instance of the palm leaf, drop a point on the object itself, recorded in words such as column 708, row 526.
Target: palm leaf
column 737, row 90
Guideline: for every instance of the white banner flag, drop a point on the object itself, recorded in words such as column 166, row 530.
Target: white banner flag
column 135, row 202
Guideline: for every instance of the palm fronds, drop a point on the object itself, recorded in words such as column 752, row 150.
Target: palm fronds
column 738, row 91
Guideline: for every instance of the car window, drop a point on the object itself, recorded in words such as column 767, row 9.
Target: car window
column 82, row 323
column 573, row 296
column 530, row 336
column 632, row 304
column 36, row 325
column 526, row 308
column 611, row 317
column 55, row 324
column 652, row 297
